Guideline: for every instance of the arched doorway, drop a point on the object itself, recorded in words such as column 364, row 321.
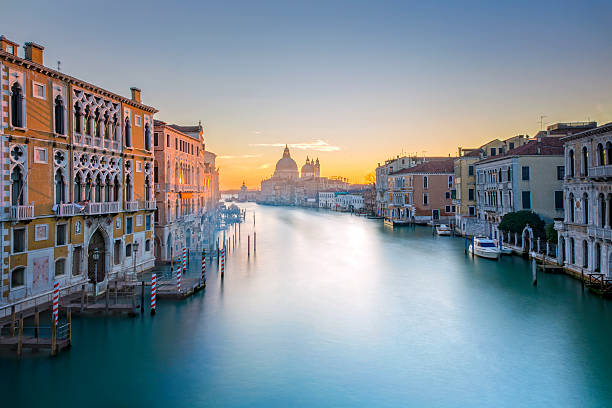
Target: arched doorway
column 158, row 249
column 96, row 242
column 169, row 247
column 188, row 238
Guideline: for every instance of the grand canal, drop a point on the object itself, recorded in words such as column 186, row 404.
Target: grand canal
column 336, row 310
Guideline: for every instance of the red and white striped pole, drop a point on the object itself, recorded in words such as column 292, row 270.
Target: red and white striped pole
column 203, row 266
column 178, row 276
column 153, row 293
column 223, row 262
column 56, row 301
column 184, row 260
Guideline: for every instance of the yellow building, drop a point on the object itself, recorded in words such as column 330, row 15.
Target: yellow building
column 77, row 179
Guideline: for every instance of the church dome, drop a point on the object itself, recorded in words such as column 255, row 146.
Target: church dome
column 286, row 167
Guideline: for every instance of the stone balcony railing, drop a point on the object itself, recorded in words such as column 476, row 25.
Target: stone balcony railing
column 600, row 232
column 600, row 171
column 131, row 206
column 150, row 205
column 65, row 210
column 22, row 212
column 102, row 208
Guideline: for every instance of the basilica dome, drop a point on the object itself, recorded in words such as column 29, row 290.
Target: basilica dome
column 286, row 167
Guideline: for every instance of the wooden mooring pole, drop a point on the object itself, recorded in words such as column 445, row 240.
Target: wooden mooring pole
column 20, row 339
column 69, row 317
column 13, row 321
column 534, row 271
column 249, row 245
column 142, row 296
column 254, row 242
column 53, row 336
column 36, row 322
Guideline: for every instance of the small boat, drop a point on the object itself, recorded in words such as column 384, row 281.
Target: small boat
column 485, row 248
column 443, row 229
column 505, row 250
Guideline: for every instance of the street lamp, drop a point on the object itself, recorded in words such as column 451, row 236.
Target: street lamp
column 135, row 245
column 96, row 257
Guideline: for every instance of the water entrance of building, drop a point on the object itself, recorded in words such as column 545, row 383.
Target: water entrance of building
column 96, row 242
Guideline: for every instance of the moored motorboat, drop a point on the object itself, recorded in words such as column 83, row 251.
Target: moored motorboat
column 443, row 229
column 485, row 248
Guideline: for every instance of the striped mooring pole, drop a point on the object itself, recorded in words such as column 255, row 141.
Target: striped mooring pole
column 153, row 293
column 55, row 302
column 203, row 266
column 184, row 260
column 222, row 262
column 178, row 276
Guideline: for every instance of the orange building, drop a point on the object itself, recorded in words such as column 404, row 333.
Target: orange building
column 77, row 179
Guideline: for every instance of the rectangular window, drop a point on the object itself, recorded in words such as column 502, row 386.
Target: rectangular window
column 60, row 267
column 76, row 261
column 493, row 151
column 19, row 240
column 138, row 120
column 139, row 220
column 511, row 145
column 472, row 210
column 38, row 90
column 447, row 208
column 471, row 194
column 148, row 222
column 128, row 250
column 117, row 252
column 176, row 144
column 147, row 245
column 425, row 182
column 450, row 181
column 525, row 173
column 558, row 200
column 470, row 170
column 60, row 234
column 560, row 172
column 453, row 208
column 167, row 140
column 40, row 155
column 128, row 225
column 425, row 199
column 139, row 166
column 17, row 278
column 155, row 138
column 526, row 197
column 447, row 195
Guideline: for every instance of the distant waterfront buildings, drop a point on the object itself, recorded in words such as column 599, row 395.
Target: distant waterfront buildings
column 78, row 179
column 186, row 189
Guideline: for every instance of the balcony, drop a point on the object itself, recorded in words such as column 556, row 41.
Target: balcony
column 150, row 205
column 22, row 212
column 599, row 172
column 599, row 232
column 102, row 208
column 488, row 207
column 64, row 210
column 131, row 206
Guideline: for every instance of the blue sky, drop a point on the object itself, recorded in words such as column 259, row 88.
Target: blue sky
column 368, row 78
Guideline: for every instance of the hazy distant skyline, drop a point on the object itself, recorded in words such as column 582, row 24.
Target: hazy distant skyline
column 352, row 83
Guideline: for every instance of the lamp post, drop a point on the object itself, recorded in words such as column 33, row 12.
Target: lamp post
column 96, row 257
column 135, row 245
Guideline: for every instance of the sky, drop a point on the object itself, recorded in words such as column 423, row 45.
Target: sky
column 350, row 82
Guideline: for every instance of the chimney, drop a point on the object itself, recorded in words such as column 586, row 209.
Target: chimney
column 34, row 52
column 8, row 46
column 135, row 94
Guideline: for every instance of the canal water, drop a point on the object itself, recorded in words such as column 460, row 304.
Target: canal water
column 337, row 310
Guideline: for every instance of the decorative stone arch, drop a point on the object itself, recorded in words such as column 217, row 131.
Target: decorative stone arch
column 527, row 239
column 101, row 240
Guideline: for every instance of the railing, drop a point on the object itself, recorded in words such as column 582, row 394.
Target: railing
column 599, row 232
column 22, row 212
column 131, row 206
column 102, row 208
column 64, row 210
column 29, row 302
column 150, row 205
column 600, row 171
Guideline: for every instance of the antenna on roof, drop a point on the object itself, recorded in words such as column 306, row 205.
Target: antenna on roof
column 59, row 65
column 542, row 122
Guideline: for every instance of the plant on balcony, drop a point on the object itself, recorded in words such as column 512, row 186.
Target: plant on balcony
column 516, row 222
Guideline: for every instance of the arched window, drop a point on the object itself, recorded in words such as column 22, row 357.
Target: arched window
column 88, row 183
column 116, row 127
column 571, row 207
column 128, row 188
column 98, row 123
column 585, row 254
column 597, row 257
column 87, row 119
column 77, row 118
column 147, row 188
column 601, row 159
column 608, row 153
column 107, row 125
column 116, row 194
column 176, row 209
column 585, row 201
column 17, row 277
column 168, row 172
column 176, row 174
column 572, row 251
column 16, row 105
column 78, row 184
column 585, row 161
column 147, row 137
column 107, row 189
column 571, row 164
column 17, row 186
column 602, row 210
column 60, row 188
column 59, row 116
column 128, row 133
column 98, row 189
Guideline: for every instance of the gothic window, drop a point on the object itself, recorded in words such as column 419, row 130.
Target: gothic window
column 147, row 188
column 59, row 116
column 88, row 183
column 585, row 202
column 585, row 161
column 602, row 210
column 128, row 133
column 77, row 118
column 115, row 128
column 608, row 153
column 87, row 120
column 17, row 186
column 78, row 183
column 60, row 188
column 116, row 189
column 107, row 189
column 155, row 176
column 106, row 125
column 585, row 254
column 98, row 123
column 98, row 189
column 571, row 164
column 601, row 159
column 571, row 207
column 17, row 105
column 128, row 188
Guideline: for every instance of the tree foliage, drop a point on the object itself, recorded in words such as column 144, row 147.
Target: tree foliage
column 516, row 222
column 551, row 233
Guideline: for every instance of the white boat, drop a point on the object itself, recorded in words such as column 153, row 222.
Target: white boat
column 443, row 229
column 485, row 248
column 506, row 251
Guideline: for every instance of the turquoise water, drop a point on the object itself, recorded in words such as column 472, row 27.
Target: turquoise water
column 336, row 310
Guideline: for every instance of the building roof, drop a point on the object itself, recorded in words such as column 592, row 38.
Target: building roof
column 439, row 166
column 542, row 146
column 187, row 129
column 591, row 132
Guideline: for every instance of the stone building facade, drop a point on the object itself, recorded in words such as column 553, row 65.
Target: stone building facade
column 77, row 180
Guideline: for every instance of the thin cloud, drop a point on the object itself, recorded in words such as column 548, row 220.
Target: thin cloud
column 239, row 156
column 317, row 145
column 265, row 166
